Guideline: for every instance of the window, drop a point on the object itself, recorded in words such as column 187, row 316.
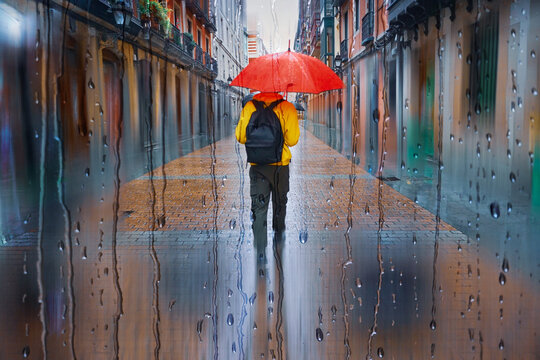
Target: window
column 177, row 17
column 189, row 27
column 208, row 44
column 199, row 37
column 346, row 25
column 357, row 14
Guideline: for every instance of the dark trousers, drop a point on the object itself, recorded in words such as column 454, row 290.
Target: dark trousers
column 266, row 180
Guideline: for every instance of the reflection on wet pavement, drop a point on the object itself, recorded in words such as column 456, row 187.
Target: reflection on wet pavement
column 288, row 306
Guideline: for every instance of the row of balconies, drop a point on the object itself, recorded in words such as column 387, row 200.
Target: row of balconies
column 185, row 43
column 208, row 19
column 121, row 13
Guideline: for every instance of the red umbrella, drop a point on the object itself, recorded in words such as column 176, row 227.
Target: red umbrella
column 288, row 71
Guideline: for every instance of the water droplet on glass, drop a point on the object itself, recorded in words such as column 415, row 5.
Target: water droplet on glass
column 509, row 153
column 505, row 265
column 380, row 352
column 234, row 347
column 477, row 108
column 161, row 220
column 230, row 319
column 26, row 351
column 271, row 297
column 84, row 256
column 533, row 54
column 252, row 299
column 358, row 283
column 91, row 84
column 303, row 236
column 502, row 279
column 332, row 183
column 512, row 177
column 319, row 334
column 520, row 102
column 407, row 104
column 508, row 208
column 366, row 209
column 534, row 91
column 501, row 344
column 229, row 293
column 513, row 33
column 232, row 224
column 433, row 325
column 495, row 210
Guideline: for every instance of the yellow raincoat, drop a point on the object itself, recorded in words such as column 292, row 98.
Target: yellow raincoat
column 287, row 115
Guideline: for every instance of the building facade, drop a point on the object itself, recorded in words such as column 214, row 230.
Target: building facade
column 127, row 82
column 441, row 101
column 230, row 49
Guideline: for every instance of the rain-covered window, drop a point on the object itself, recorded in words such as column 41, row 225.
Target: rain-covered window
column 178, row 182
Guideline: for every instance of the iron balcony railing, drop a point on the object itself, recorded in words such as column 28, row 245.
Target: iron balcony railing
column 203, row 12
column 176, row 36
column 207, row 60
column 199, row 54
column 344, row 51
column 188, row 44
column 214, row 66
column 367, row 28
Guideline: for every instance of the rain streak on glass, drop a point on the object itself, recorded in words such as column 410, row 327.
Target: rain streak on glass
column 413, row 204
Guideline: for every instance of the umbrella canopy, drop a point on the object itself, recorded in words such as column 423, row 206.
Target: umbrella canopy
column 288, row 71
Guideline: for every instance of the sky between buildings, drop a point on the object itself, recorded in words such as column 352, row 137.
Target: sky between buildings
column 275, row 20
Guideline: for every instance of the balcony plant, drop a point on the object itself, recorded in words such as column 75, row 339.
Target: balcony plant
column 153, row 11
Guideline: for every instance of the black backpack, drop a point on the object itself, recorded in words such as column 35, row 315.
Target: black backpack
column 264, row 136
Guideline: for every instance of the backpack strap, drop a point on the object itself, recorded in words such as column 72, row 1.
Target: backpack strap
column 274, row 104
column 259, row 105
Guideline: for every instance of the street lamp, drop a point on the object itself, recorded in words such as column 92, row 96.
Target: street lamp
column 122, row 12
column 337, row 63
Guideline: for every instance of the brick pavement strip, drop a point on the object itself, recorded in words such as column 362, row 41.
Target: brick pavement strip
column 312, row 200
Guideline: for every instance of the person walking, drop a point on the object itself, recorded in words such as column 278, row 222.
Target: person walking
column 269, row 180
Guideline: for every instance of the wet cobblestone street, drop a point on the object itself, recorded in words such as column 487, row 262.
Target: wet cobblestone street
column 214, row 298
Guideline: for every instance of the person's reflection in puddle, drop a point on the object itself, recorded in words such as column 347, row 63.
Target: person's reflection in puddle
column 268, row 339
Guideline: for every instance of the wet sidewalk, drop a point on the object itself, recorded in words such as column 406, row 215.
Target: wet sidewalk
column 338, row 288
